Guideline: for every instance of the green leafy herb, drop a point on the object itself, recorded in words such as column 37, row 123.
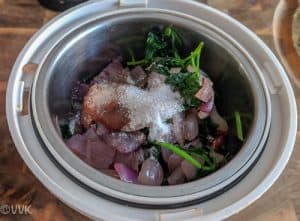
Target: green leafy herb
column 163, row 49
column 239, row 127
column 154, row 46
column 175, row 39
column 194, row 58
column 187, row 84
column 162, row 53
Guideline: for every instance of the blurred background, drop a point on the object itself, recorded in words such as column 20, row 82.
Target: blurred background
column 276, row 22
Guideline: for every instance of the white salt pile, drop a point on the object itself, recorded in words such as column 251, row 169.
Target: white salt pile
column 149, row 107
column 144, row 108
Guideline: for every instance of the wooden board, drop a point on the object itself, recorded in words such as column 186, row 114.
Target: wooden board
column 20, row 19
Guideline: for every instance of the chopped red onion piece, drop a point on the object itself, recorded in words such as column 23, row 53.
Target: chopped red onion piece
column 77, row 144
column 113, row 72
column 151, row 173
column 125, row 173
column 98, row 153
column 125, row 142
column 206, row 91
column 190, row 126
column 208, row 106
column 174, row 161
column 177, row 177
column 178, row 128
column 90, row 148
column 138, row 76
column 166, row 154
column 132, row 160
column 189, row 170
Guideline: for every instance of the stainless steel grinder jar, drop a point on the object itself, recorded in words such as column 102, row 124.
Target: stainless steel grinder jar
column 65, row 48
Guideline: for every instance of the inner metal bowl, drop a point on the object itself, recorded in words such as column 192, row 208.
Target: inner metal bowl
column 79, row 53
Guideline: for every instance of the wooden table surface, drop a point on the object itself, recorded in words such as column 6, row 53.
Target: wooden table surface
column 20, row 19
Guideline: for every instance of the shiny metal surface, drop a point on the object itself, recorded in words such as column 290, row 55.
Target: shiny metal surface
column 79, row 54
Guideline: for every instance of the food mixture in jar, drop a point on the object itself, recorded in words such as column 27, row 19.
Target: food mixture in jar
column 152, row 121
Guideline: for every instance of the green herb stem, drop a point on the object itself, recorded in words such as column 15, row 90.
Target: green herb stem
column 140, row 62
column 203, row 157
column 239, row 127
column 211, row 167
column 194, row 58
column 130, row 51
column 181, row 153
column 247, row 116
